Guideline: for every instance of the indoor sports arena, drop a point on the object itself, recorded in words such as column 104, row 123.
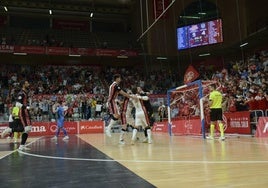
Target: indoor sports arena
column 133, row 93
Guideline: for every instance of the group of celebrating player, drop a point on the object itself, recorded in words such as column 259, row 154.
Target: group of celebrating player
column 137, row 99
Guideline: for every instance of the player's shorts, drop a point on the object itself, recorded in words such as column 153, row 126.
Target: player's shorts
column 215, row 114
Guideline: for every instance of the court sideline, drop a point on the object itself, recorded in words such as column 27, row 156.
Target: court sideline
column 93, row 160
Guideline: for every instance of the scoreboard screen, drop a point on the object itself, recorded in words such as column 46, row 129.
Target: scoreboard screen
column 200, row 34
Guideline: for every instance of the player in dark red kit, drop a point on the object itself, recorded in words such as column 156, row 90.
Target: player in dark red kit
column 24, row 125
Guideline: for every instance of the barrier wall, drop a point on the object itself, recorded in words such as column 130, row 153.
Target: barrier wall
column 72, row 127
column 262, row 127
column 237, row 122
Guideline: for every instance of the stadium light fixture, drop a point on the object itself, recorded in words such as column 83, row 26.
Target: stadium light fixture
column 202, row 55
column 190, row 17
column 19, row 53
column 50, row 11
column 161, row 58
column 244, row 44
column 74, row 55
column 91, row 14
column 5, row 8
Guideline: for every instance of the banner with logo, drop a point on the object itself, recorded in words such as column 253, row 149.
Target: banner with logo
column 72, row 127
column 86, row 127
column 262, row 127
column 237, row 122
column 160, row 127
column 187, row 127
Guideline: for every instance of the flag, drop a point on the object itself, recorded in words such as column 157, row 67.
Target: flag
column 190, row 74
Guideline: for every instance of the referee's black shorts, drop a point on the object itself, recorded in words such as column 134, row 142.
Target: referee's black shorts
column 215, row 114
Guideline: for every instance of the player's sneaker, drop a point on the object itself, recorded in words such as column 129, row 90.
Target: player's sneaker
column 150, row 141
column 66, row 138
column 108, row 132
column 210, row 137
column 132, row 142
column 145, row 140
column 222, row 138
column 54, row 138
column 122, row 142
column 6, row 132
column 24, row 148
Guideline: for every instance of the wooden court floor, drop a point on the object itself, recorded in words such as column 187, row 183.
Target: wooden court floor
column 171, row 161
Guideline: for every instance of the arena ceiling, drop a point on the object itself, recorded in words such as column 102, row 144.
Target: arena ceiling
column 102, row 8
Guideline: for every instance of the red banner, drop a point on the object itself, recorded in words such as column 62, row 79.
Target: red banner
column 187, row 127
column 66, row 51
column 57, row 51
column 6, row 48
column 72, row 127
column 29, row 49
column 82, row 51
column 262, row 127
column 86, row 127
column 160, row 127
column 237, row 122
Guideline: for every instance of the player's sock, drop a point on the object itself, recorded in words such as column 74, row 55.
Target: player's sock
column 122, row 133
column 134, row 134
column 212, row 129
column 221, row 130
column 149, row 133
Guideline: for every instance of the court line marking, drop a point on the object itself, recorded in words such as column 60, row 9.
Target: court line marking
column 143, row 161
column 13, row 151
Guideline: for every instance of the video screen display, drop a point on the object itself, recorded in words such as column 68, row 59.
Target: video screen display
column 200, row 34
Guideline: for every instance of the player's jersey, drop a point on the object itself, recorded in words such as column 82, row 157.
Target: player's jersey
column 114, row 90
column 126, row 114
column 24, row 114
column 141, row 115
column 216, row 98
column 60, row 113
column 22, row 98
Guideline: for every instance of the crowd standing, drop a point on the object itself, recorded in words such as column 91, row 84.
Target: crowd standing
column 85, row 88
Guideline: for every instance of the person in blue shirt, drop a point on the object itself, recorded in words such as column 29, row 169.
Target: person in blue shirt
column 61, row 111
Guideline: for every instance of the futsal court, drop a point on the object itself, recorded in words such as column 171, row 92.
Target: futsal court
column 93, row 160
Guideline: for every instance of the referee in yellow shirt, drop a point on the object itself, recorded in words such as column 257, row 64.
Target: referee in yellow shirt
column 215, row 104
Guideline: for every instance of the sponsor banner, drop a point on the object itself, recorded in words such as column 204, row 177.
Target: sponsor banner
column 66, row 51
column 57, row 51
column 40, row 129
column 6, row 48
column 86, row 127
column 29, row 49
column 115, row 53
column 160, row 127
column 3, row 126
column 106, row 52
column 49, row 128
column 82, row 51
column 187, row 127
column 237, row 122
column 262, row 127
